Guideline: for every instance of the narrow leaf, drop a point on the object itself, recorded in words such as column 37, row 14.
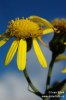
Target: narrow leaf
column 60, row 58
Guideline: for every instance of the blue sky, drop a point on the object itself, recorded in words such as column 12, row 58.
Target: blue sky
column 48, row 9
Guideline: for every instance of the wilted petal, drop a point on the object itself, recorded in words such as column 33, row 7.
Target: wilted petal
column 43, row 43
column 41, row 21
column 48, row 30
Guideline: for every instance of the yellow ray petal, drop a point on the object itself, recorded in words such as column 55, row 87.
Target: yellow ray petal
column 21, row 56
column 42, row 21
column 11, row 52
column 64, row 70
column 48, row 30
column 2, row 42
column 39, row 54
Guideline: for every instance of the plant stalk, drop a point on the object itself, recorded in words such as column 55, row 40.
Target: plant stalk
column 35, row 90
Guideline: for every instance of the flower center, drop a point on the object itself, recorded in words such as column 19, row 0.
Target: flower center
column 24, row 28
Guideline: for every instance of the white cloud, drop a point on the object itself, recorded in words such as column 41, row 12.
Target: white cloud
column 12, row 87
column 4, row 94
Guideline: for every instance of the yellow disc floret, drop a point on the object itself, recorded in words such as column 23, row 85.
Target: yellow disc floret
column 24, row 28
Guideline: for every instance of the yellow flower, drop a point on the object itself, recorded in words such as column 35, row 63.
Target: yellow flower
column 24, row 31
column 64, row 70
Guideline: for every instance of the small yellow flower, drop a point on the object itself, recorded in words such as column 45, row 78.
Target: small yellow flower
column 64, row 70
column 24, row 30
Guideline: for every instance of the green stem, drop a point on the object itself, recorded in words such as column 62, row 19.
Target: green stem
column 36, row 91
column 50, row 70
column 49, row 74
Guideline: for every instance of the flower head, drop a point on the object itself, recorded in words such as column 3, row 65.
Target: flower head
column 25, row 32
column 60, row 24
column 57, row 44
column 24, row 28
